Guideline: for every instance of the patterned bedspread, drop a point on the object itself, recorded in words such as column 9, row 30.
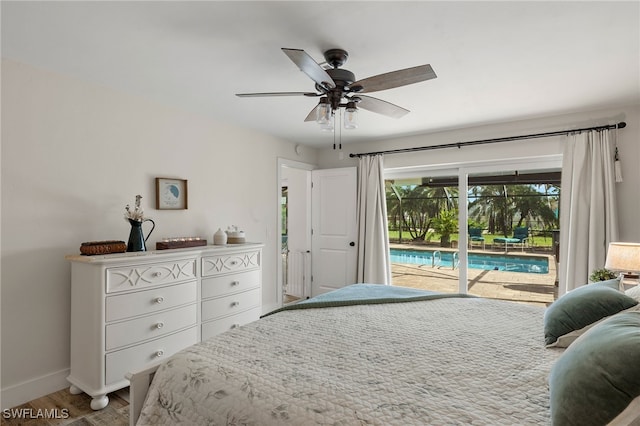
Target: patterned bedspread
column 443, row 361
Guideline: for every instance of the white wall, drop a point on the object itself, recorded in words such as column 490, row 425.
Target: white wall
column 628, row 144
column 73, row 155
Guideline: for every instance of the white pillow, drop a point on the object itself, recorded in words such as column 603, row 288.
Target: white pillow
column 634, row 292
column 565, row 340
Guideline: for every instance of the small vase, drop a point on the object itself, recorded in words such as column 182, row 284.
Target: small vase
column 136, row 236
column 220, row 237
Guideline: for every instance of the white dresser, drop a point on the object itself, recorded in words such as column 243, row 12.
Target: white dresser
column 131, row 309
column 230, row 290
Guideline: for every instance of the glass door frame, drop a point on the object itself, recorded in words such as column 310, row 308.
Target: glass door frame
column 463, row 170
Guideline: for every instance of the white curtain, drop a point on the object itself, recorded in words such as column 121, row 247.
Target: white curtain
column 588, row 216
column 374, row 264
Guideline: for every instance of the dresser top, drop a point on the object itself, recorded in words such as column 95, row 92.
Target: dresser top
column 160, row 254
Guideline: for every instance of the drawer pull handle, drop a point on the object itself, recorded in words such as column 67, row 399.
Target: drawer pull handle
column 234, row 262
column 235, row 326
column 156, row 274
column 235, row 283
column 159, row 299
column 160, row 324
column 159, row 353
column 234, row 304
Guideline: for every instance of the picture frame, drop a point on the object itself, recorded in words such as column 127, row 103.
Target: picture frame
column 171, row 194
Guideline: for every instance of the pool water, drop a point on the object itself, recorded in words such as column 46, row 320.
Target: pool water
column 487, row 262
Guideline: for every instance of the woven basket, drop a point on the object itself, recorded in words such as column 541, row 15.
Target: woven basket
column 92, row 248
column 236, row 240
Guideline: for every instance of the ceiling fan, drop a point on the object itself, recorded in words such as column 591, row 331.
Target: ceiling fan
column 338, row 87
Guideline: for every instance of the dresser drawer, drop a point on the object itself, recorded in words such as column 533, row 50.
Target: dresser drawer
column 229, row 305
column 149, row 301
column 213, row 328
column 234, row 262
column 225, row 284
column 150, row 326
column 121, row 362
column 132, row 277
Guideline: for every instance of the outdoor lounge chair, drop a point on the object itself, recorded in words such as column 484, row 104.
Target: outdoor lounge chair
column 475, row 236
column 520, row 236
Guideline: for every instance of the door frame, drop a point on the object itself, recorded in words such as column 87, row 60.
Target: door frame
column 284, row 162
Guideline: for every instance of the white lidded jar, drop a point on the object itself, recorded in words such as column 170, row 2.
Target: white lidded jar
column 220, row 237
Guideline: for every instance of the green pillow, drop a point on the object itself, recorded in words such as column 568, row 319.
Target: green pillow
column 566, row 318
column 613, row 283
column 598, row 377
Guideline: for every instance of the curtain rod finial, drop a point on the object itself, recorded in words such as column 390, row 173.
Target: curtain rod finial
column 622, row 125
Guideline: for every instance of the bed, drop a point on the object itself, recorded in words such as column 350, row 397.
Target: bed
column 365, row 354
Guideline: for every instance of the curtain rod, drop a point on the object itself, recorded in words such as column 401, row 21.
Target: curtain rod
column 620, row 125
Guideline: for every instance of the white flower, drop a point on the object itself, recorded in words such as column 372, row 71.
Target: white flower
column 137, row 214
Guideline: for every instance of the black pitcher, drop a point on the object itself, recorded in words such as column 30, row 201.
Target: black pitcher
column 136, row 237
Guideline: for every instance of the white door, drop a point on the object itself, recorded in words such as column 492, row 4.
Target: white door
column 334, row 229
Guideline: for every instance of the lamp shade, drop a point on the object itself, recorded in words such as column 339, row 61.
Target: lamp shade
column 623, row 257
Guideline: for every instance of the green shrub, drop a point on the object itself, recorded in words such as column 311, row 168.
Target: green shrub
column 602, row 275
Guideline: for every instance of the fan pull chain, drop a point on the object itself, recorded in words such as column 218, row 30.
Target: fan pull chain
column 340, row 146
column 337, row 123
column 334, row 130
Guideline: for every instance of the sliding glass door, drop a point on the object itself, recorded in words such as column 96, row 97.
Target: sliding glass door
column 512, row 218
column 424, row 232
column 468, row 223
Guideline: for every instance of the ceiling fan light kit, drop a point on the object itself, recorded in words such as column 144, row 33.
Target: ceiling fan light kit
column 338, row 88
column 323, row 111
column 351, row 116
column 328, row 125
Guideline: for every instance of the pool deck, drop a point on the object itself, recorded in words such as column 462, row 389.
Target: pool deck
column 536, row 289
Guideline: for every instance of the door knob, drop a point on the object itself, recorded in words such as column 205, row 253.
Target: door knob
column 352, row 243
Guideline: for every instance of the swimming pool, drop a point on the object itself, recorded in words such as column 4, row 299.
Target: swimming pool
column 488, row 262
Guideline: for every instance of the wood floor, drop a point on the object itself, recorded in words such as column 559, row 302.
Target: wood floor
column 63, row 408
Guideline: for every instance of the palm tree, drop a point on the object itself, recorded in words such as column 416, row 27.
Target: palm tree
column 417, row 211
column 442, row 197
column 408, row 206
column 491, row 205
column 413, row 207
column 501, row 205
column 529, row 203
column 416, row 208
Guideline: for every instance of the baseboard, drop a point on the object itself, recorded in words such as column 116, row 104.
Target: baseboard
column 14, row 395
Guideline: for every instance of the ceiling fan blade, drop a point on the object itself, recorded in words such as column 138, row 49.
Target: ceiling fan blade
column 310, row 67
column 394, row 79
column 254, row 95
column 313, row 114
column 381, row 107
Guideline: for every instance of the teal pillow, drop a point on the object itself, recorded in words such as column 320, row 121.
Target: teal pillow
column 566, row 318
column 612, row 283
column 598, row 377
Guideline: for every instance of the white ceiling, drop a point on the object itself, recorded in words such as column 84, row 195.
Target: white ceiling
column 495, row 61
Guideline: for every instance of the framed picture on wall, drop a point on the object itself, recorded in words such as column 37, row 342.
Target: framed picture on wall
column 171, row 194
